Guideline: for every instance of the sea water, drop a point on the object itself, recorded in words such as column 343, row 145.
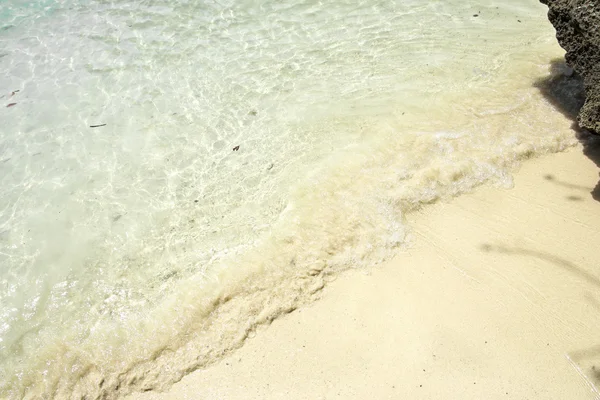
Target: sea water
column 175, row 173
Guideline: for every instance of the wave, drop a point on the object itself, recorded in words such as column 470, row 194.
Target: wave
column 188, row 290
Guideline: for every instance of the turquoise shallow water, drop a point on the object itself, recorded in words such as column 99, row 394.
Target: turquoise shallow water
column 135, row 251
column 16, row 12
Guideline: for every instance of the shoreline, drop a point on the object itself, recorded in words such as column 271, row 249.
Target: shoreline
column 213, row 242
column 495, row 297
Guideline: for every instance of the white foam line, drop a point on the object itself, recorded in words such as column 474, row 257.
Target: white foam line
column 585, row 378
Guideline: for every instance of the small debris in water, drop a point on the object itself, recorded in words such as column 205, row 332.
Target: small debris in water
column 11, row 104
column 14, row 92
column 97, row 126
column 236, row 148
column 270, row 167
column 253, row 112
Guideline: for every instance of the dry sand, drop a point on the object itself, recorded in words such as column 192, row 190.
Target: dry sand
column 497, row 297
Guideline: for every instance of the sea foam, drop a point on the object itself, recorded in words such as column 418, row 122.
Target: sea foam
column 176, row 173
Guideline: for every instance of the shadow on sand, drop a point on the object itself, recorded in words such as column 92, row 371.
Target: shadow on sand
column 564, row 89
column 552, row 259
column 586, row 361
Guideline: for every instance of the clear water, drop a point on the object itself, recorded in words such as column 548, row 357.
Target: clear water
column 134, row 252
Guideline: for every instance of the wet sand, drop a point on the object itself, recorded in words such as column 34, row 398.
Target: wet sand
column 497, row 296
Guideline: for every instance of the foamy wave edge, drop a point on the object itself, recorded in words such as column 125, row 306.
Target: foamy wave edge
column 348, row 214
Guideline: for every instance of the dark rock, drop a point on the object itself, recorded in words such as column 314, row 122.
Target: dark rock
column 577, row 24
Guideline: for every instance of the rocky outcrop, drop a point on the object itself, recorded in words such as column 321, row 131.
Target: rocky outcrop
column 577, row 24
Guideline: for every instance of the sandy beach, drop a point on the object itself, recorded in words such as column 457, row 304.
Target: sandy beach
column 496, row 297
column 299, row 200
